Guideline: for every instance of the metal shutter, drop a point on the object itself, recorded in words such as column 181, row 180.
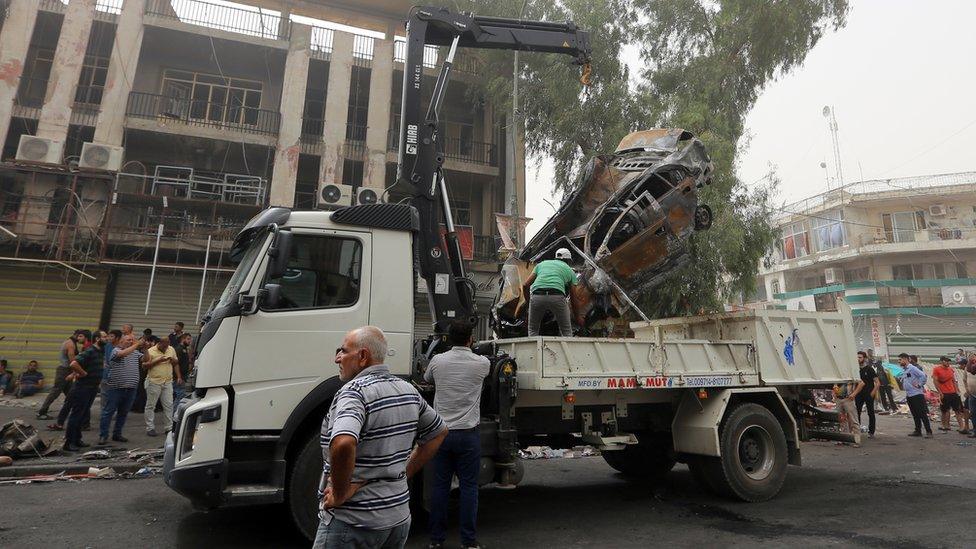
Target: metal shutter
column 40, row 306
column 929, row 337
column 174, row 297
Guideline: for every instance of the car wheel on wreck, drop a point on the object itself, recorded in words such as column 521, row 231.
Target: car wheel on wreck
column 703, row 218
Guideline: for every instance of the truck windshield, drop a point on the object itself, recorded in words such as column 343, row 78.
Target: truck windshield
column 250, row 256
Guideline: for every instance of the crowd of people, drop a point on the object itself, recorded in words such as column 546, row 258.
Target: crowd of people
column 952, row 391
column 128, row 373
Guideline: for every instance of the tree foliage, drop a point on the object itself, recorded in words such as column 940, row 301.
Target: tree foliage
column 704, row 64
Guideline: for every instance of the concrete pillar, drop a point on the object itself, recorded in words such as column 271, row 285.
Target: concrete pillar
column 336, row 109
column 380, row 101
column 68, row 59
column 121, row 73
column 14, row 41
column 292, row 107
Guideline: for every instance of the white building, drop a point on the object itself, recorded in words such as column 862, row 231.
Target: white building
column 901, row 252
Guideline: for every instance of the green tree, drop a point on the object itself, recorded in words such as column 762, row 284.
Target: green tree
column 705, row 62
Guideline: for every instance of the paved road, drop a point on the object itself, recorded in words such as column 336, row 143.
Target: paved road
column 891, row 492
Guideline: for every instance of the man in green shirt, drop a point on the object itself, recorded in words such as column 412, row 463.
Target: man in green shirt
column 548, row 288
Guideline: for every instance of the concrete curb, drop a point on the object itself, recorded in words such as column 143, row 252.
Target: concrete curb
column 14, row 472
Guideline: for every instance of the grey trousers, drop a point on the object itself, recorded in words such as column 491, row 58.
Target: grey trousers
column 558, row 304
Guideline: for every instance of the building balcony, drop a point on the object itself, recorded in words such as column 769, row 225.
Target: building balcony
column 461, row 150
column 166, row 111
column 252, row 23
column 485, row 248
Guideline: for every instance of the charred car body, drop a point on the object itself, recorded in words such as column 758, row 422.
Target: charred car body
column 627, row 223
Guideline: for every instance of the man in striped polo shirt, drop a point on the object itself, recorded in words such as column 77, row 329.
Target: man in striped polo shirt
column 122, row 380
column 368, row 448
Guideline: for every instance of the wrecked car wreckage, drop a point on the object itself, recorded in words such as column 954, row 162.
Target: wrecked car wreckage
column 627, row 223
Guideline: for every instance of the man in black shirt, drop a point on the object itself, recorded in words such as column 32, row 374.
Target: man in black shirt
column 177, row 335
column 869, row 392
column 86, row 373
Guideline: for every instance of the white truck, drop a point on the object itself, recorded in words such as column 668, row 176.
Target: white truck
column 723, row 393
column 720, row 392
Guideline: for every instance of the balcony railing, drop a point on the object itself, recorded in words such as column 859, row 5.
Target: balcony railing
column 250, row 22
column 485, row 248
column 464, row 150
column 910, row 297
column 355, row 133
column 203, row 113
column 312, row 129
column 192, row 184
column 31, row 92
column 321, row 44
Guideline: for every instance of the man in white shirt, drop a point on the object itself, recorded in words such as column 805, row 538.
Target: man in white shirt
column 458, row 377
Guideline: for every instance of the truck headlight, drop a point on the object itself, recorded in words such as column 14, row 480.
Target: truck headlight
column 192, row 424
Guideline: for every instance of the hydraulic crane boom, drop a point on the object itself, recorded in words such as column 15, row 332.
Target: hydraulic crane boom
column 421, row 156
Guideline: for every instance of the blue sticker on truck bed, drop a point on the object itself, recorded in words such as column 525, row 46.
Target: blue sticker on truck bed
column 792, row 341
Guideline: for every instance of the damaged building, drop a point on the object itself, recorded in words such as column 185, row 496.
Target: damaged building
column 151, row 130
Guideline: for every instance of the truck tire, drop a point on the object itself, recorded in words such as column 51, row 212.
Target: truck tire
column 754, row 455
column 303, row 486
column 650, row 459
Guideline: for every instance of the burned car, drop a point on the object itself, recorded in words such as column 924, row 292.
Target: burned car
column 627, row 223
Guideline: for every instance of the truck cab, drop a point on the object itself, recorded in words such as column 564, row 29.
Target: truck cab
column 265, row 372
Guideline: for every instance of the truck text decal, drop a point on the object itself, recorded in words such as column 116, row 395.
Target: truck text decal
column 654, row 382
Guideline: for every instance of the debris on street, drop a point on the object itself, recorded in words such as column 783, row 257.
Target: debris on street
column 19, row 439
column 545, row 452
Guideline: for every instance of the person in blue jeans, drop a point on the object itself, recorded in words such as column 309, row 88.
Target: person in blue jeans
column 458, row 376
column 122, row 381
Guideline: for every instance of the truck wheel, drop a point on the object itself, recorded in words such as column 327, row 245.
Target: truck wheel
column 651, row 459
column 754, row 455
column 303, row 486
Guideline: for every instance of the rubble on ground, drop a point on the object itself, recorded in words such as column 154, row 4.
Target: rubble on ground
column 545, row 452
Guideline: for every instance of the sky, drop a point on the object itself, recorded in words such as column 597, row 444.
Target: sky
column 901, row 78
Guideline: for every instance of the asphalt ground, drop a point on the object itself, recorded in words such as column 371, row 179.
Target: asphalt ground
column 893, row 491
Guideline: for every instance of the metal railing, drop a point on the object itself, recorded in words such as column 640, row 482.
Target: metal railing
column 250, row 22
column 965, row 180
column 109, row 6
column 909, row 297
column 362, row 50
column 84, row 114
column 485, row 248
column 355, row 133
column 312, row 129
column 203, row 113
column 464, row 150
column 31, row 92
column 192, row 184
column 321, row 44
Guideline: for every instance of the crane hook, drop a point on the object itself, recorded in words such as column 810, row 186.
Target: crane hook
column 585, row 76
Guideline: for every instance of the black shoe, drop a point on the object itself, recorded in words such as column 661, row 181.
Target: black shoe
column 68, row 447
column 82, row 444
column 119, row 438
column 915, row 434
column 151, row 432
column 86, row 427
column 102, row 441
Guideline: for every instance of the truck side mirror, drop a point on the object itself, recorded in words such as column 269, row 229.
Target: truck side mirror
column 279, row 253
column 271, row 296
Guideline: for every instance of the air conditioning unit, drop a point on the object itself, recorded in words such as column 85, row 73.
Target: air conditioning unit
column 334, row 195
column 367, row 195
column 40, row 149
column 833, row 275
column 937, row 210
column 101, row 157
